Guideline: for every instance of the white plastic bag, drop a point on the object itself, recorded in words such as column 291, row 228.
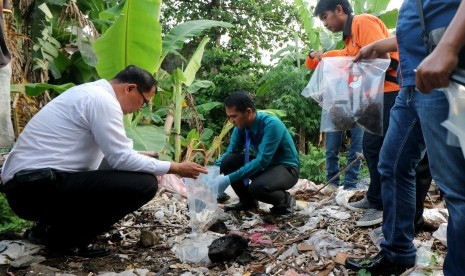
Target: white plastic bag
column 202, row 194
column 455, row 94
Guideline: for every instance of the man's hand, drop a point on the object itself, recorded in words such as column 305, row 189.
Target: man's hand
column 187, row 169
column 435, row 70
column 377, row 49
column 316, row 54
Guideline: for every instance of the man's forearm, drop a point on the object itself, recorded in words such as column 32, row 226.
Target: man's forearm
column 386, row 45
column 454, row 37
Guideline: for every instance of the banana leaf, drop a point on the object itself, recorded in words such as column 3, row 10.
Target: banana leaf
column 134, row 39
column 174, row 40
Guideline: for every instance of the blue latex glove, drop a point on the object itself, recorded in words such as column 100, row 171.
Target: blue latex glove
column 223, row 183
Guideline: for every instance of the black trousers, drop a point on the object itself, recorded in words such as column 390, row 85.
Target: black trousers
column 267, row 186
column 78, row 206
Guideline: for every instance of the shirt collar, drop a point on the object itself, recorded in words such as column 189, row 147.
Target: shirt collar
column 254, row 127
column 348, row 29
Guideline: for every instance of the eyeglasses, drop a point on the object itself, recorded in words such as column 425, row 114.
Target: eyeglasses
column 146, row 102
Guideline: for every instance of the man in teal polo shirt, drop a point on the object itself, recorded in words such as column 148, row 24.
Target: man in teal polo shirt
column 272, row 170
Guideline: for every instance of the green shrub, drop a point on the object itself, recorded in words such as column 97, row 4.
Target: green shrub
column 9, row 222
column 312, row 165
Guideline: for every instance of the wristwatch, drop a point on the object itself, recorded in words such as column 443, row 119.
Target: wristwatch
column 309, row 53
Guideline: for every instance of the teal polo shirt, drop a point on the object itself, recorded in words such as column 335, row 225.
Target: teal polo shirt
column 273, row 146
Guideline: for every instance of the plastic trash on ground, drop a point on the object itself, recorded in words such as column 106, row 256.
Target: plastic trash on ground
column 424, row 253
column 303, row 185
column 311, row 224
column 194, row 249
column 335, row 212
column 291, row 251
column 435, row 217
column 173, row 184
column 201, row 196
column 441, row 234
column 377, row 237
column 16, row 249
column 326, row 244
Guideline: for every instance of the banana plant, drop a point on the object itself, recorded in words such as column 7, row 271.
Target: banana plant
column 180, row 79
column 136, row 39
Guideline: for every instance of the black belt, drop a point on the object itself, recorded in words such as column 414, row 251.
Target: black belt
column 35, row 175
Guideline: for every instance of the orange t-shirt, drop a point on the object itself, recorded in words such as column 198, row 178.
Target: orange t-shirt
column 360, row 31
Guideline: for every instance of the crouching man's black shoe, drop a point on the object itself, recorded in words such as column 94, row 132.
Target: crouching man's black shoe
column 242, row 206
column 223, row 198
column 286, row 210
column 379, row 265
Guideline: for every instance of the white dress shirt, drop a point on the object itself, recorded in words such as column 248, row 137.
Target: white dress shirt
column 74, row 132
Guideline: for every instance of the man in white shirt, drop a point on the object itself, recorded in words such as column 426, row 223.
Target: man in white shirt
column 52, row 177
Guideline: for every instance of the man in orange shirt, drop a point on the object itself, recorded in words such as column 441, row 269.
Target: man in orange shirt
column 358, row 31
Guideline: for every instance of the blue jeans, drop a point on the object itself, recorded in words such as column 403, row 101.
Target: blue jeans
column 415, row 122
column 333, row 146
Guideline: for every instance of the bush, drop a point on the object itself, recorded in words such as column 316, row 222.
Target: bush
column 9, row 222
column 312, row 165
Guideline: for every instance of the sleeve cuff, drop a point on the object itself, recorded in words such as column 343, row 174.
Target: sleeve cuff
column 162, row 167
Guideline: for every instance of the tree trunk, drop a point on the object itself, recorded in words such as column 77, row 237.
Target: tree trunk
column 302, row 140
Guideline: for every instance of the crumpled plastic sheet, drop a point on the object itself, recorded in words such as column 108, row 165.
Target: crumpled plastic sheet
column 311, row 224
column 326, row 244
column 441, row 233
column 172, row 183
column 17, row 249
column 455, row 94
column 436, row 215
column 335, row 212
column 130, row 272
column 303, row 185
column 194, row 249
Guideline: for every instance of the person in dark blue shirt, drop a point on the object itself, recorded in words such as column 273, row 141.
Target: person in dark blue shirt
column 415, row 124
column 271, row 171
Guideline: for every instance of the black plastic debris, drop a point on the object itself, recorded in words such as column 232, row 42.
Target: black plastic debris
column 227, row 248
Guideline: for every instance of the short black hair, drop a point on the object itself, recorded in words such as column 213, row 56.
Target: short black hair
column 240, row 100
column 330, row 5
column 133, row 74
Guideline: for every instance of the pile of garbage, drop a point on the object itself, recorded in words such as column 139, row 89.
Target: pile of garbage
column 161, row 239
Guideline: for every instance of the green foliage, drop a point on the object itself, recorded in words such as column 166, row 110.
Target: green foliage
column 364, row 272
column 230, row 71
column 286, row 82
column 256, row 22
column 134, row 39
column 9, row 222
column 312, row 165
column 35, row 89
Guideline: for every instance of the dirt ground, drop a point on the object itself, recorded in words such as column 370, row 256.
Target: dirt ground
column 278, row 246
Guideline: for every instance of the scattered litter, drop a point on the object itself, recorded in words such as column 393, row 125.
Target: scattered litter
column 441, row 234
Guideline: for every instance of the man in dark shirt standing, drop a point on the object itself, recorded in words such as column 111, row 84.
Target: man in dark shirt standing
column 6, row 127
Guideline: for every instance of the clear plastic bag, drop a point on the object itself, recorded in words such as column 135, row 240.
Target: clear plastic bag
column 202, row 194
column 314, row 88
column 352, row 93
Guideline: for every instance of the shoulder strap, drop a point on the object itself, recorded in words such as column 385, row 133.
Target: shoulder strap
column 424, row 33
